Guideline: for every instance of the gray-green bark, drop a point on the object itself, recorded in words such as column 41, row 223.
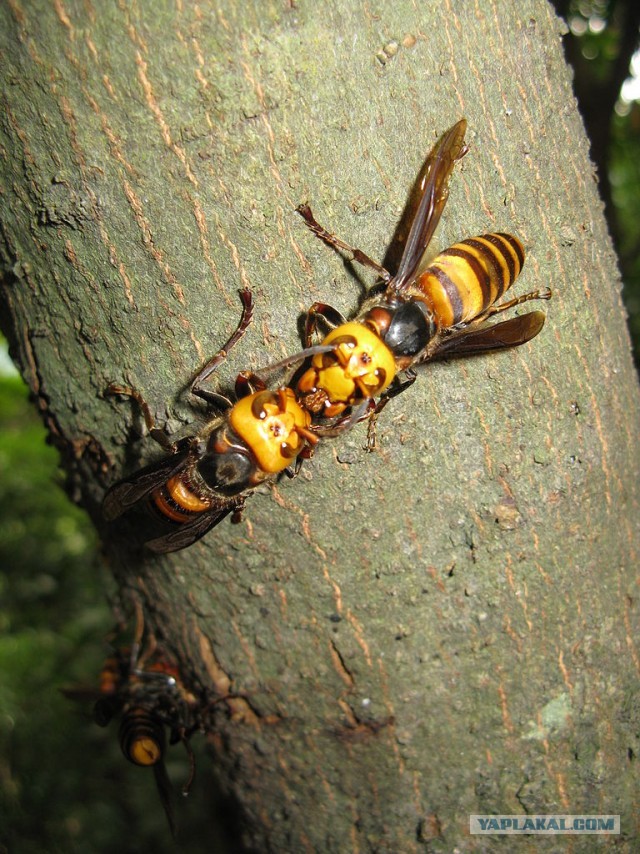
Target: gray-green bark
column 448, row 626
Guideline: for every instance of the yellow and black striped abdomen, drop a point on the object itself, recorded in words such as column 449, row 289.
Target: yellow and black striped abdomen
column 465, row 280
column 142, row 737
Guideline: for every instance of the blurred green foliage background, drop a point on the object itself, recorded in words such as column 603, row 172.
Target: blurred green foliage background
column 603, row 47
column 624, row 173
column 64, row 786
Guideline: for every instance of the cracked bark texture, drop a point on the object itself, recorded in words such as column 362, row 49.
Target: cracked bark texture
column 447, row 626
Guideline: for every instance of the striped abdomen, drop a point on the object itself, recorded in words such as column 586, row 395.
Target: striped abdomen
column 465, row 280
column 142, row 737
column 177, row 501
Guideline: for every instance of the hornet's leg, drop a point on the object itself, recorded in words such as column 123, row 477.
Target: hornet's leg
column 156, row 433
column 356, row 254
column 396, row 389
column 213, row 363
column 541, row 293
column 216, row 399
column 330, row 315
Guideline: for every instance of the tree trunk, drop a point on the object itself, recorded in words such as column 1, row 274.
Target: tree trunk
column 394, row 641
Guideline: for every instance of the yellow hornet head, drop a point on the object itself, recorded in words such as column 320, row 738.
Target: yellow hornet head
column 361, row 366
column 273, row 425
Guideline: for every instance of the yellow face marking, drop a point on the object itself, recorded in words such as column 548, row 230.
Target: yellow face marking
column 360, row 367
column 268, row 423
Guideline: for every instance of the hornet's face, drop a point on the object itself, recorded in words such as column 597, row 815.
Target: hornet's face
column 360, row 366
column 273, row 426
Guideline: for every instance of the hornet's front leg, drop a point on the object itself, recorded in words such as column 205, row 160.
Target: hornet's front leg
column 213, row 363
column 321, row 311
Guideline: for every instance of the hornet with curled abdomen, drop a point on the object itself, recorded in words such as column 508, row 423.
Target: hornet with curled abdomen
column 207, row 476
column 146, row 694
column 425, row 312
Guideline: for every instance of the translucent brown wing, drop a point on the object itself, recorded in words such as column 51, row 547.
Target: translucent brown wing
column 166, row 795
column 489, row 336
column 129, row 491
column 185, row 534
column 432, row 189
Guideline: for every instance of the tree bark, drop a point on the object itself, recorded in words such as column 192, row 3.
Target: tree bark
column 392, row 641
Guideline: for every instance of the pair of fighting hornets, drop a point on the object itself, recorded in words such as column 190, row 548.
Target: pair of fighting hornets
column 424, row 312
